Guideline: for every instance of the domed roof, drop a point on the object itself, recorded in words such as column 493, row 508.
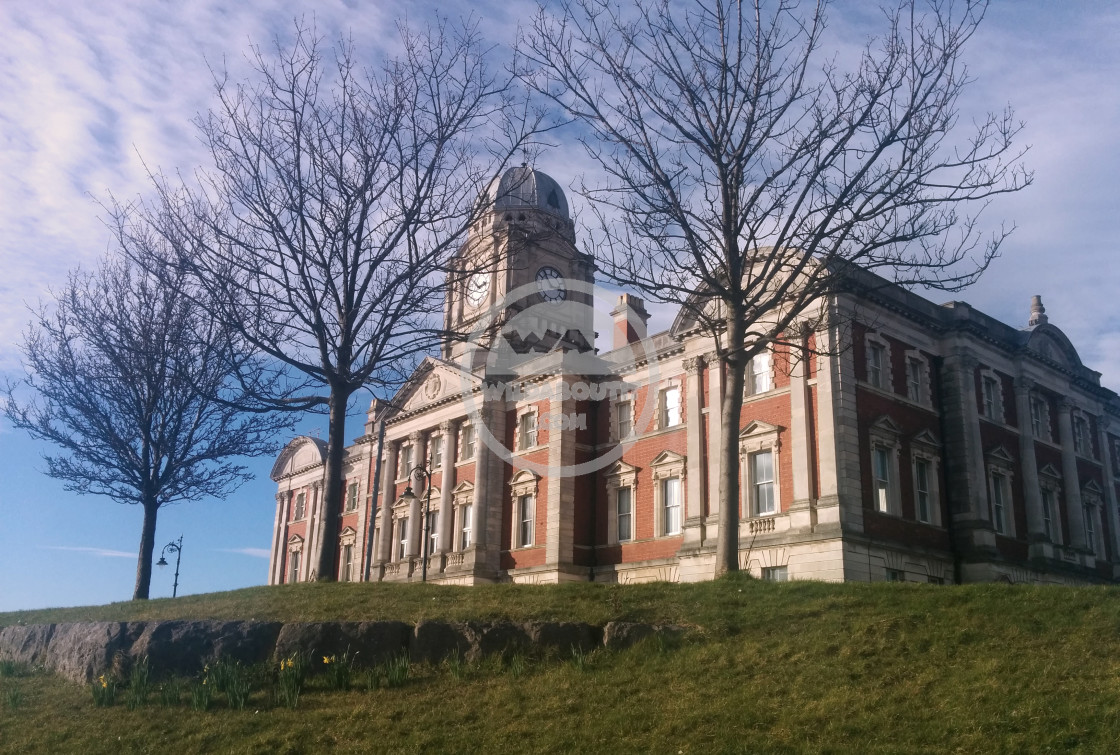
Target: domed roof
column 524, row 187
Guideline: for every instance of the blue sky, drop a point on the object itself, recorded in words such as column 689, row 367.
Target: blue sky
column 90, row 88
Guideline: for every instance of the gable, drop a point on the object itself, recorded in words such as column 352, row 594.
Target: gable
column 432, row 382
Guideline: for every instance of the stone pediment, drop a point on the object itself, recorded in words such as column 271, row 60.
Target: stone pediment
column 758, row 427
column 1000, row 454
column 620, row 468
column 434, row 381
column 299, row 454
column 1049, row 471
column 1051, row 343
column 926, row 438
column 885, row 424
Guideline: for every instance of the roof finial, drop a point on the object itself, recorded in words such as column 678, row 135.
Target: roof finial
column 1038, row 312
column 525, row 157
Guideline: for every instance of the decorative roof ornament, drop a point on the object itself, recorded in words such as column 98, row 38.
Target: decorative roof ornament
column 1038, row 312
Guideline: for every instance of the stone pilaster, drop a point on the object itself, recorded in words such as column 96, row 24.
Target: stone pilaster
column 801, row 511
column 560, row 484
column 693, row 529
column 275, row 557
column 1109, row 489
column 445, row 538
column 715, row 429
column 1071, row 482
column 315, row 533
column 838, row 457
column 967, row 477
column 388, row 498
column 415, row 509
column 1028, row 462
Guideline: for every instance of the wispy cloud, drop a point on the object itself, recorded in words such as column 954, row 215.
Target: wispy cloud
column 102, row 552
column 254, row 552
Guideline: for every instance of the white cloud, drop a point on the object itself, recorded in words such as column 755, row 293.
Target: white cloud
column 93, row 551
column 254, row 552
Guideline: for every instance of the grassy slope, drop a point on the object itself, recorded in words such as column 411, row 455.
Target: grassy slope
column 791, row 667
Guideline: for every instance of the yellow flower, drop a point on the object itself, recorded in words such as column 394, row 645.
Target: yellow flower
column 328, row 660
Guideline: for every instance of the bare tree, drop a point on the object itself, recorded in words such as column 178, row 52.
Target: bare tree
column 335, row 199
column 132, row 380
column 748, row 174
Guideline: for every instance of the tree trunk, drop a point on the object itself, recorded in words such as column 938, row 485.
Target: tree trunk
column 727, row 537
column 147, row 546
column 327, row 532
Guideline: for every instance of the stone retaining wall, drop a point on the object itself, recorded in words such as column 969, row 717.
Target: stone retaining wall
column 83, row 651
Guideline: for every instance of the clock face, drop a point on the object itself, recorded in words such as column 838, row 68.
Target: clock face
column 550, row 284
column 477, row 286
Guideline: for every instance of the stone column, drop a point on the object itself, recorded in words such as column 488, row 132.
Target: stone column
column 830, row 400
column 1071, row 482
column 694, row 449
column 1028, row 462
column 448, row 431
column 1109, row 488
column 388, row 498
column 482, row 494
column 316, row 531
column 415, row 531
column 275, row 559
column 968, row 482
column 801, row 513
column 715, row 429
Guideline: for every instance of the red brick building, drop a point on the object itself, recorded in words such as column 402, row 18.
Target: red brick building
column 914, row 441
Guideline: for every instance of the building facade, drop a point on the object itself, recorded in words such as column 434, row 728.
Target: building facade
column 905, row 441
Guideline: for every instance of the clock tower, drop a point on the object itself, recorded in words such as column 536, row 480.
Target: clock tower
column 520, row 253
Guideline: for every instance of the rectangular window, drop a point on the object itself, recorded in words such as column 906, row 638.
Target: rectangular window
column 1090, row 528
column 466, row 451
column 293, row 566
column 991, row 398
column 465, row 527
column 300, row 507
column 624, row 510
column 921, row 489
column 875, row 353
column 762, row 483
column 882, row 479
column 346, row 563
column 1079, row 436
column 896, row 575
column 671, row 504
column 670, row 407
column 435, row 443
column 625, row 413
column 405, row 465
column 915, row 372
column 1036, row 417
column 433, row 536
column 758, row 374
column 999, row 502
column 1048, row 513
column 775, row 573
column 402, row 538
column 352, row 496
column 935, row 580
column 528, row 428
column 525, row 507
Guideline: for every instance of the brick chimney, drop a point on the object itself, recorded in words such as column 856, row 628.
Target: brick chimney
column 630, row 318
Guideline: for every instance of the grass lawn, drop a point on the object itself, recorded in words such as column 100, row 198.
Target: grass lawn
column 796, row 667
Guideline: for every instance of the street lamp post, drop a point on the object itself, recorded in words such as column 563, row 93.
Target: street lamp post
column 426, row 470
column 175, row 546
